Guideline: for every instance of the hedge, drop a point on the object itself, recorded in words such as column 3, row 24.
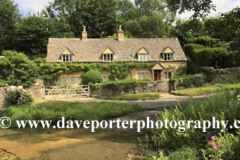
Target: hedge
column 195, row 80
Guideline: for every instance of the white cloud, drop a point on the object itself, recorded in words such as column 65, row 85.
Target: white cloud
column 38, row 5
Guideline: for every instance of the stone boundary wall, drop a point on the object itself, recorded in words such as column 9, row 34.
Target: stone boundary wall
column 34, row 90
column 151, row 87
column 223, row 75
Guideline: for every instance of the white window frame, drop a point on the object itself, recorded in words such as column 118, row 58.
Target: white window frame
column 141, row 73
column 60, row 80
column 109, row 57
column 105, row 76
column 169, row 56
column 166, row 74
column 143, row 57
column 67, row 58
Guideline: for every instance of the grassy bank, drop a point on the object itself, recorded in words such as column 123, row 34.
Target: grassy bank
column 206, row 89
column 71, row 111
column 139, row 96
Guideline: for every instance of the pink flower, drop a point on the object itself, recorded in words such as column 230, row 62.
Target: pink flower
column 226, row 149
column 210, row 156
column 221, row 145
column 208, row 142
column 160, row 152
column 213, row 138
column 215, row 146
column 132, row 156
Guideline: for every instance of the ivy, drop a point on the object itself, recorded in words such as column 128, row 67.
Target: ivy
column 119, row 70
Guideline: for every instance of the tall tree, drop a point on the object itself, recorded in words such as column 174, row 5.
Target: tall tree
column 99, row 16
column 33, row 32
column 9, row 16
column 201, row 8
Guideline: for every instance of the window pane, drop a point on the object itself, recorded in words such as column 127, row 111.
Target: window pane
column 105, row 57
column 72, row 80
column 146, row 57
column 171, row 56
column 76, row 80
column 70, row 58
column 165, row 75
column 143, row 57
column 105, row 78
column 165, row 56
column 143, row 75
column 139, row 57
column 63, row 58
column 68, row 80
column 59, row 80
column 138, row 76
column 111, row 57
column 64, row 80
column 169, row 75
column 147, row 76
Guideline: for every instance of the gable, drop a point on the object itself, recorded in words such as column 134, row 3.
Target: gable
column 108, row 51
column 67, row 52
column 168, row 50
column 142, row 51
column 157, row 66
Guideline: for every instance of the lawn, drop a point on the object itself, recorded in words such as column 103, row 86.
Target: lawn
column 71, row 111
column 139, row 96
column 206, row 89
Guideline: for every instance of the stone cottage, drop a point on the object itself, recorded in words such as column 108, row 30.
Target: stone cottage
column 164, row 52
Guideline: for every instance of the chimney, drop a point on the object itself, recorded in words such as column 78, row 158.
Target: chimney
column 120, row 34
column 84, row 34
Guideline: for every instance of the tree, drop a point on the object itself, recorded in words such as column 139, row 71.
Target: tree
column 92, row 76
column 17, row 69
column 99, row 16
column 201, row 8
column 9, row 16
column 33, row 33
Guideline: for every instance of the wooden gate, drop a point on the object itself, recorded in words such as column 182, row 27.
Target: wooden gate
column 163, row 86
column 65, row 91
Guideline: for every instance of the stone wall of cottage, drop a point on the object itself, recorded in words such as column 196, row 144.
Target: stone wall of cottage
column 34, row 90
column 151, row 87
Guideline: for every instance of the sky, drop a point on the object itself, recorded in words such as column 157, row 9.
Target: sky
column 35, row 6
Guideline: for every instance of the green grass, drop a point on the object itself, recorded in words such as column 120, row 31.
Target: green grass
column 139, row 96
column 71, row 111
column 206, row 89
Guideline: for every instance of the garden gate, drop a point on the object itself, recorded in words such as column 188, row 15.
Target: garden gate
column 65, row 91
column 163, row 86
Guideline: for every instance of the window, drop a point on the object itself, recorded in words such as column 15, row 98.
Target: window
column 142, row 57
column 142, row 75
column 107, row 57
column 167, row 75
column 68, row 80
column 105, row 78
column 67, row 58
column 167, row 56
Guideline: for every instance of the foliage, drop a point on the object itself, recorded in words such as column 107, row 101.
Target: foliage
column 71, row 111
column 92, row 76
column 184, row 153
column 207, row 89
column 223, row 106
column 209, row 72
column 196, row 81
column 19, row 96
column 99, row 16
column 52, row 71
column 9, row 16
column 200, row 8
column 139, row 96
column 119, row 86
column 17, row 69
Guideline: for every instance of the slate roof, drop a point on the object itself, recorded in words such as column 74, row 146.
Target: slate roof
column 91, row 50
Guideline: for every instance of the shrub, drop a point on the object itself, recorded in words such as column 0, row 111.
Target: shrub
column 209, row 72
column 197, row 81
column 19, row 96
column 184, row 153
column 17, row 69
column 92, row 76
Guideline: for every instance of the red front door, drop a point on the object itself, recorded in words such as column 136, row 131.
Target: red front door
column 157, row 75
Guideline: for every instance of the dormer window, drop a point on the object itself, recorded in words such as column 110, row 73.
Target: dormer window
column 143, row 55
column 168, row 54
column 67, row 56
column 107, row 55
